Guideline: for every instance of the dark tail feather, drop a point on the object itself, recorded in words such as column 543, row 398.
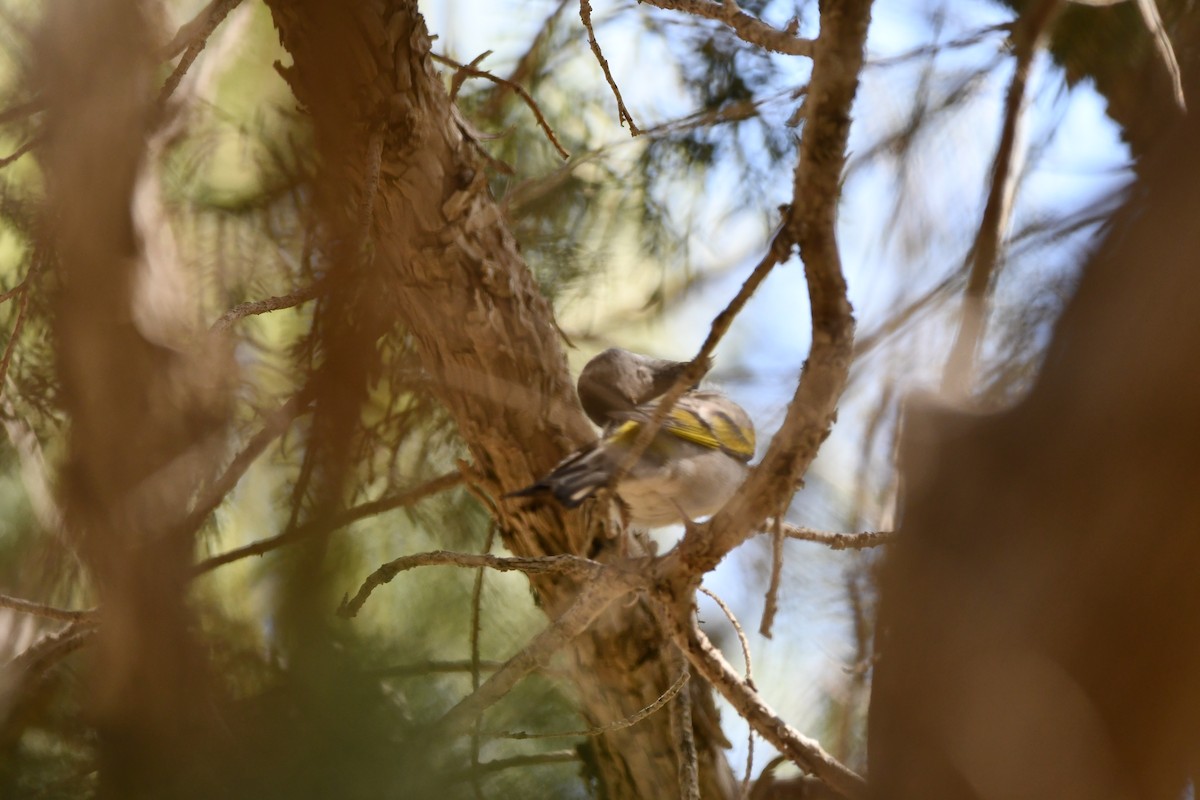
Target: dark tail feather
column 574, row 480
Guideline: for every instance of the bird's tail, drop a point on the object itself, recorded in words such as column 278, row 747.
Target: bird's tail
column 575, row 479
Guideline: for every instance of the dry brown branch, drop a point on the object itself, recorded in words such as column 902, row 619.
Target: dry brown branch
column 745, row 644
column 747, row 27
column 47, row 651
column 29, row 144
column 771, row 600
column 520, row 92
column 685, row 736
column 50, row 612
column 985, row 251
column 605, row 586
column 266, row 305
column 585, row 14
column 476, row 613
column 627, row 722
column 544, row 565
column 353, row 514
column 839, row 541
column 195, row 33
column 804, row 752
column 810, row 223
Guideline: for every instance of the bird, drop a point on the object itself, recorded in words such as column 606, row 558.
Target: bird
column 617, row 381
column 694, row 464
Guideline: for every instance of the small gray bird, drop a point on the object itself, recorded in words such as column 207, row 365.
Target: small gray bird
column 693, row 465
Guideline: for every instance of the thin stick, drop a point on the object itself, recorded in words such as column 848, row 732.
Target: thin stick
column 685, row 737
column 585, row 14
column 771, row 601
column 476, row 598
column 840, row 541
column 598, row 593
column 555, row 565
column 748, row 28
column 264, row 306
column 960, row 365
column 390, row 503
column 49, row 612
column 518, row 89
column 198, row 31
column 625, row 722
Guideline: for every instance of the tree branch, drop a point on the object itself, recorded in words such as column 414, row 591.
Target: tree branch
column 554, row 565
column 985, row 252
column 597, row 594
column 391, row 503
column 585, row 14
column 810, row 223
column 748, row 28
column 804, row 752
column 50, row 612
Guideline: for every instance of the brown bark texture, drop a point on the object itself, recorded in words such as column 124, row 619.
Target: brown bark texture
column 439, row 261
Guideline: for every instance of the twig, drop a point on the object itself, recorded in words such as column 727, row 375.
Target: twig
column 29, row 144
column 476, row 597
column 801, row 750
column 11, row 347
column 585, row 14
column 748, row 28
column 518, row 89
column 598, row 593
column 960, row 365
column 383, row 504
column 771, row 600
column 778, row 252
column 264, row 306
column 556, row 565
column 840, row 541
column 196, row 34
column 212, row 496
column 626, row 722
column 1162, row 45
column 47, row 651
column 737, row 628
column 50, row 612
column 685, row 736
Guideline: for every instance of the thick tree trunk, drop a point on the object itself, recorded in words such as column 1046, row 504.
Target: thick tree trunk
column 442, row 264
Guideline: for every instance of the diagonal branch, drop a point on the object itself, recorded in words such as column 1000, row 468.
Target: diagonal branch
column 810, row 223
column 747, row 27
column 362, row 511
column 585, row 14
column 543, row 565
column 803, row 751
column 598, row 593
column 985, row 252
column 49, row 612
